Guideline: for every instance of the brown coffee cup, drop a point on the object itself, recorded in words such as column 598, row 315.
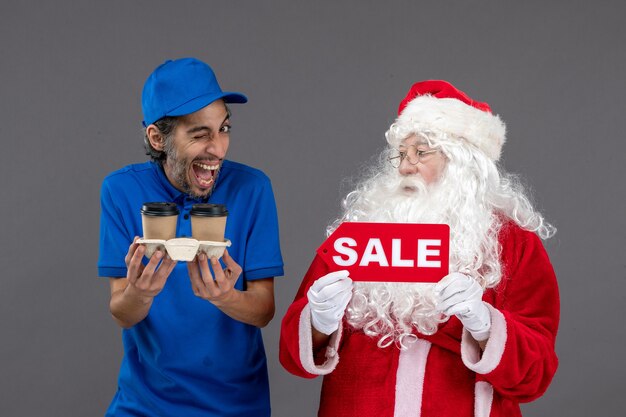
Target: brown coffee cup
column 208, row 222
column 159, row 220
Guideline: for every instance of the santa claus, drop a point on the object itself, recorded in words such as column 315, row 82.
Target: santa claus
column 477, row 343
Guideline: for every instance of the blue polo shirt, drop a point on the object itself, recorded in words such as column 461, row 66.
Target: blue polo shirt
column 187, row 358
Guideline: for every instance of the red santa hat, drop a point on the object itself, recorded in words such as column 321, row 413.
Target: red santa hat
column 436, row 105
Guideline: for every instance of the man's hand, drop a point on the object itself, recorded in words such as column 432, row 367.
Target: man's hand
column 462, row 295
column 131, row 297
column 328, row 299
column 254, row 306
column 147, row 281
column 204, row 286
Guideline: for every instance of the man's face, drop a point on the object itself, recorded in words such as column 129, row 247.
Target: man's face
column 197, row 149
column 430, row 165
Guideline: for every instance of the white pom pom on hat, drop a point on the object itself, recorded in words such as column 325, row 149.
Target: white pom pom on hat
column 436, row 105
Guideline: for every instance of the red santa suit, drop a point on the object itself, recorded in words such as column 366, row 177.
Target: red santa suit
column 445, row 374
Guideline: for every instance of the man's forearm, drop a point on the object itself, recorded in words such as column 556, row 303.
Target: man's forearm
column 127, row 307
column 255, row 306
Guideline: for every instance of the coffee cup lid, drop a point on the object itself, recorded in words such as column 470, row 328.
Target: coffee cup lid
column 209, row 210
column 159, row 209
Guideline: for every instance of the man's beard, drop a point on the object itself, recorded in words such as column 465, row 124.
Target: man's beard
column 394, row 311
column 180, row 169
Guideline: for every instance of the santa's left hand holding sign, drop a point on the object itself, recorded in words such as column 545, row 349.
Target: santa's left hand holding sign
column 460, row 295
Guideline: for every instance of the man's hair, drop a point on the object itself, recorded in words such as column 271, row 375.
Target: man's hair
column 166, row 126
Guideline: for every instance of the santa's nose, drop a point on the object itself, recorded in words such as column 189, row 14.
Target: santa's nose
column 406, row 168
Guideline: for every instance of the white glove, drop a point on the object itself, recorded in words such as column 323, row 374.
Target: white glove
column 328, row 299
column 462, row 295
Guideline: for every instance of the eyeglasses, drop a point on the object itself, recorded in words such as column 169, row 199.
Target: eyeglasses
column 397, row 156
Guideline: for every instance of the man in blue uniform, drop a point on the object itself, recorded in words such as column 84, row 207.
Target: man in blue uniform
column 192, row 340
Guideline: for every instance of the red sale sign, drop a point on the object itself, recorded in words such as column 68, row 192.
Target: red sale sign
column 389, row 252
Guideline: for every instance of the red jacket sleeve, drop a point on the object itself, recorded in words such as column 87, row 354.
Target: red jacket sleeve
column 521, row 360
column 289, row 348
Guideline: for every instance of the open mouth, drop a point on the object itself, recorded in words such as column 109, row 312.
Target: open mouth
column 205, row 173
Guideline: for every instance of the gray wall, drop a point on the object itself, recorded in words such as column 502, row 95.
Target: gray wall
column 324, row 83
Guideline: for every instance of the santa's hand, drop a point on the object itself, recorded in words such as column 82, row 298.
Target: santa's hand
column 328, row 298
column 462, row 295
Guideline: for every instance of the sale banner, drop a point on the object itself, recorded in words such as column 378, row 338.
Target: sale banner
column 389, row 252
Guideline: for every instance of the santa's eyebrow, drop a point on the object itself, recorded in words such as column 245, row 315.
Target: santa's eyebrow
column 404, row 145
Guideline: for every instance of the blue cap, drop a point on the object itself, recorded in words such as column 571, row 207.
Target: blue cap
column 181, row 87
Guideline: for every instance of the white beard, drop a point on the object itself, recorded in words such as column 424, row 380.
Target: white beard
column 394, row 311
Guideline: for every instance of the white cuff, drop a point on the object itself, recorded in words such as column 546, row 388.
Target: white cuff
column 305, row 335
column 483, row 362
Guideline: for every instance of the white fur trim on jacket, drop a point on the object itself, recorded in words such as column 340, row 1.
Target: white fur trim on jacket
column 482, row 129
column 410, row 379
column 483, row 399
column 306, row 346
column 494, row 349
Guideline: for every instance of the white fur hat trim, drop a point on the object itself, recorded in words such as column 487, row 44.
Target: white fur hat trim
column 480, row 128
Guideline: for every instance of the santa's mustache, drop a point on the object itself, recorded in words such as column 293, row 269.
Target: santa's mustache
column 411, row 185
